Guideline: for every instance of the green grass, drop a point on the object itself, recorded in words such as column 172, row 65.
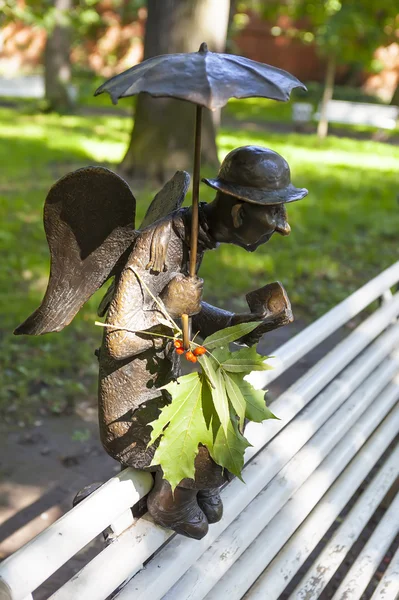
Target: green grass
column 343, row 233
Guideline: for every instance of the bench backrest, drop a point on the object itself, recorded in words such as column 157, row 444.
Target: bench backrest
column 326, row 421
column 352, row 113
column 29, row 86
column 362, row 113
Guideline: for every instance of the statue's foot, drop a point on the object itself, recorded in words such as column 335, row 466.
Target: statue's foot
column 178, row 511
column 85, row 493
column 211, row 504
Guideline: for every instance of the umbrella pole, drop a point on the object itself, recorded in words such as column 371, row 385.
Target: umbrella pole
column 194, row 216
column 196, row 182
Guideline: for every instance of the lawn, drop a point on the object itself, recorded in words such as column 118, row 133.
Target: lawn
column 343, row 233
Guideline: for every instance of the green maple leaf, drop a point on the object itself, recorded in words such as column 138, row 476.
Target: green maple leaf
column 210, row 408
column 245, row 361
column 229, row 334
column 256, row 409
column 236, row 398
column 183, row 427
column 218, row 389
column 221, row 354
column 229, row 448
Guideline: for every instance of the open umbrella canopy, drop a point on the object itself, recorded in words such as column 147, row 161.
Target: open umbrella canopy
column 204, row 78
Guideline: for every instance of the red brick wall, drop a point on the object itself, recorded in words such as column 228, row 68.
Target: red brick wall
column 255, row 41
column 117, row 46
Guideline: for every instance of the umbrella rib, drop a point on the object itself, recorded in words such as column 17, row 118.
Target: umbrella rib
column 263, row 78
column 210, row 93
column 146, row 71
column 120, row 77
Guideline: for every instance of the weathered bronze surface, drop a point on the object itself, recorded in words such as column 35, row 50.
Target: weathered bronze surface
column 89, row 223
column 256, row 175
column 204, row 78
column 207, row 79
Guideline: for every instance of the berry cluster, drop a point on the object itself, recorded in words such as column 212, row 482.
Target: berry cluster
column 190, row 355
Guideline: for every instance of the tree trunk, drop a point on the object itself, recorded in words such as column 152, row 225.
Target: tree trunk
column 322, row 128
column 57, row 66
column 395, row 96
column 163, row 133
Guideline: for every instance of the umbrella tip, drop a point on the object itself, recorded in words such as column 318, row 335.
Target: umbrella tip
column 203, row 47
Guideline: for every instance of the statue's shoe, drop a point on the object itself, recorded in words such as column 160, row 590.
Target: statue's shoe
column 211, row 504
column 196, row 527
column 178, row 511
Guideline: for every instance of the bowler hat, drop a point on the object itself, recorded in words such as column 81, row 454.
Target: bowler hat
column 258, row 175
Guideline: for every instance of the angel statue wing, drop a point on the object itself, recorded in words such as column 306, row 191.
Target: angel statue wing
column 166, row 201
column 89, row 222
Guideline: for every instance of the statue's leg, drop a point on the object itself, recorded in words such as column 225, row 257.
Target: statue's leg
column 211, row 504
column 178, row 511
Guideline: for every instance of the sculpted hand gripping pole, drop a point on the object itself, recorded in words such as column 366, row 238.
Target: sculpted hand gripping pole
column 89, row 223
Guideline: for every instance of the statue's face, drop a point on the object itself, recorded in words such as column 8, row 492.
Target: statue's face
column 254, row 224
column 232, row 221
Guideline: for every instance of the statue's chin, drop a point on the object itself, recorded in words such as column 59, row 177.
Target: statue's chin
column 260, row 242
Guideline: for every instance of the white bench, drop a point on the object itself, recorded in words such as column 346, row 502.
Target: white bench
column 335, row 423
column 351, row 113
column 29, row 86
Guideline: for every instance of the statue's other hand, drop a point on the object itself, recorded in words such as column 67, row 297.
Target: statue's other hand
column 271, row 306
column 159, row 247
column 183, row 295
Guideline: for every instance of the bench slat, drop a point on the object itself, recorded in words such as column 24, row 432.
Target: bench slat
column 305, row 341
column 97, row 580
column 273, row 580
column 330, row 558
column 388, row 588
column 223, row 582
column 320, row 375
column 30, row 566
column 362, row 113
column 364, row 567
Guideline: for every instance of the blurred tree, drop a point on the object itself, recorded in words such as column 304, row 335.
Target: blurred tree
column 64, row 21
column 57, row 62
column 163, row 131
column 344, row 31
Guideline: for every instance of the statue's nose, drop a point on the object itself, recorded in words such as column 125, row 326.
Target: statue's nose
column 283, row 227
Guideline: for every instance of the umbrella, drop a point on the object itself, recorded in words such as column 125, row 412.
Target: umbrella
column 207, row 79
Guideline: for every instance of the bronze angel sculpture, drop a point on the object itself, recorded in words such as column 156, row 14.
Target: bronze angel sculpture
column 89, row 219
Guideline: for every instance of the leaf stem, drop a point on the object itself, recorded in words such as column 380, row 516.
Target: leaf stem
column 120, row 328
column 156, row 300
column 192, row 341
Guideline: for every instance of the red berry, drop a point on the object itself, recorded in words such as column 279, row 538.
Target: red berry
column 190, row 356
column 178, row 344
column 179, row 350
column 199, row 350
